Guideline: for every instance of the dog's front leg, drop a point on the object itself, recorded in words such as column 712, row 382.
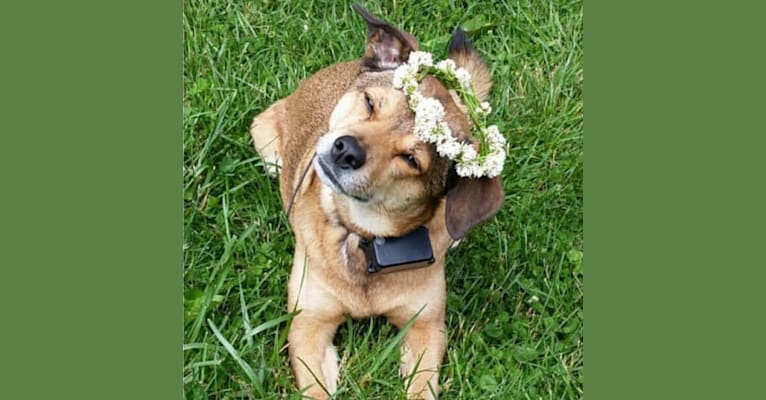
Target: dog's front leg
column 312, row 355
column 422, row 352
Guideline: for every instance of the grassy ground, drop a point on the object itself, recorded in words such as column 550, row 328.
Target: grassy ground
column 515, row 285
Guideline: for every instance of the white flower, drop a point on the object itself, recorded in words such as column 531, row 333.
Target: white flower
column 414, row 100
column 446, row 133
column 398, row 81
column 462, row 169
column 463, row 77
column 467, row 152
column 484, row 109
column 494, row 137
column 447, row 66
column 429, row 109
column 494, row 162
column 428, row 114
column 410, row 86
column 404, row 74
column 420, row 58
column 449, row 149
column 468, row 170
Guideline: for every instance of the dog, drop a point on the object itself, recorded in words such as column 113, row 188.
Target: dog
column 351, row 170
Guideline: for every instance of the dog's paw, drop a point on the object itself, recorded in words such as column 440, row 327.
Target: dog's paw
column 330, row 369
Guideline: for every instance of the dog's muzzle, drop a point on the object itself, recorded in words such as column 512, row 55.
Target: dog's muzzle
column 337, row 163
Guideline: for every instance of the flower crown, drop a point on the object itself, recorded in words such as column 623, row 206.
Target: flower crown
column 431, row 127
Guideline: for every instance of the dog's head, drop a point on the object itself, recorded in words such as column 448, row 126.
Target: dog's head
column 377, row 168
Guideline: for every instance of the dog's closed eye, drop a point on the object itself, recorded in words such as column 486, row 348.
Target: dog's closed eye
column 411, row 160
column 369, row 103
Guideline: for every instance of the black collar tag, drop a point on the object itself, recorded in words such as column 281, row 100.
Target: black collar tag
column 410, row 251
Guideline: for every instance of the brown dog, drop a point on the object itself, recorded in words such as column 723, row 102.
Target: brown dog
column 371, row 177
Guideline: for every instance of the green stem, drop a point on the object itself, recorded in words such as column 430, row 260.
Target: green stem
column 471, row 102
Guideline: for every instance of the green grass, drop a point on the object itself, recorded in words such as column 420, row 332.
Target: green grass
column 515, row 285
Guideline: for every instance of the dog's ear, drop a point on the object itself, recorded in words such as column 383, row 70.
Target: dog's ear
column 462, row 52
column 471, row 201
column 387, row 47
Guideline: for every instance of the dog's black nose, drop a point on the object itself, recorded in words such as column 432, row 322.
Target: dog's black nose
column 347, row 153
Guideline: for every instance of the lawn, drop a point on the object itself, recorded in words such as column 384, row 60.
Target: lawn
column 514, row 313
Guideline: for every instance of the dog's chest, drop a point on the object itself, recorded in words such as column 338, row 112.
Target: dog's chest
column 365, row 294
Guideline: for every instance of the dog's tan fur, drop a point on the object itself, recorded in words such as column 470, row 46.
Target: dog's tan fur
column 329, row 277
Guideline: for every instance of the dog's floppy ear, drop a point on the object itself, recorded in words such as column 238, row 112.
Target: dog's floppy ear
column 471, row 201
column 462, row 52
column 387, row 47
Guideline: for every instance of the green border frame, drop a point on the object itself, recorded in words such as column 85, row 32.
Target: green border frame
column 673, row 219
column 91, row 161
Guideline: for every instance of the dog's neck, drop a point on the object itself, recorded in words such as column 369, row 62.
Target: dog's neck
column 361, row 217
column 366, row 220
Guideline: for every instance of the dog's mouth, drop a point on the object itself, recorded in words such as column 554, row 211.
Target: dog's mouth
column 328, row 177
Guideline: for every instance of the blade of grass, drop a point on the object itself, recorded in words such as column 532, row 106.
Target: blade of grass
column 271, row 323
column 393, row 343
column 235, row 355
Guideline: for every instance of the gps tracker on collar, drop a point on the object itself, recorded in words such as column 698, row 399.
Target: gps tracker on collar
column 390, row 254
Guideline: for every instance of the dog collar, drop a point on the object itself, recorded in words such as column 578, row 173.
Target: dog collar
column 391, row 254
